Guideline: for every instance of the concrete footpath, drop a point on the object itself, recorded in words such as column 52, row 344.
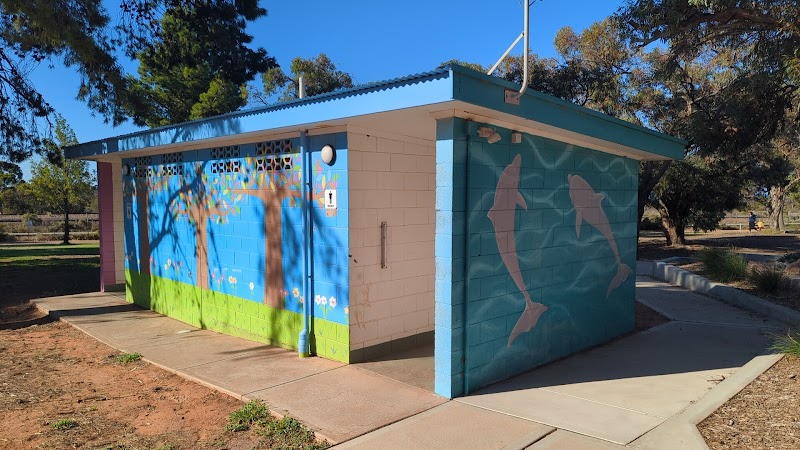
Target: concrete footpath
column 646, row 390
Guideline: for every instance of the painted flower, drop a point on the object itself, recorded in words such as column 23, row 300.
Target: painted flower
column 317, row 299
column 252, row 286
column 166, row 266
column 347, row 310
column 332, row 301
column 301, row 299
column 296, row 292
column 231, row 280
column 169, row 262
column 323, row 300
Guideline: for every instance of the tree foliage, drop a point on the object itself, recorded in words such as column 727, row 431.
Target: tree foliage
column 749, row 110
column 10, row 175
column 320, row 76
column 65, row 186
column 81, row 34
column 198, row 65
column 75, row 33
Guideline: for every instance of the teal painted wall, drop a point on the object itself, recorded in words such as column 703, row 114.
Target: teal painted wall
column 529, row 273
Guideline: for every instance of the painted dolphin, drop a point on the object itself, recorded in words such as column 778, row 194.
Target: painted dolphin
column 588, row 208
column 503, row 214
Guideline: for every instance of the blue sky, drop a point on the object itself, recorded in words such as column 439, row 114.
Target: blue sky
column 372, row 40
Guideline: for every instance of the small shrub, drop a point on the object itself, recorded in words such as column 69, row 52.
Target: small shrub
column 253, row 412
column 789, row 258
column 91, row 236
column 65, row 424
column 31, row 219
column 787, row 344
column 4, row 236
column 650, row 222
column 723, row 264
column 56, row 227
column 290, row 434
column 767, row 279
column 126, row 358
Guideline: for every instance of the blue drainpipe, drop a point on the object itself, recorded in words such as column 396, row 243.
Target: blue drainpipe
column 303, row 342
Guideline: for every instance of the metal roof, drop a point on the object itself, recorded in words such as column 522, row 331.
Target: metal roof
column 451, row 86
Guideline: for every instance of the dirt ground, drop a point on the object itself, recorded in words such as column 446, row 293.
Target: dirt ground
column 766, row 414
column 50, row 371
column 53, row 372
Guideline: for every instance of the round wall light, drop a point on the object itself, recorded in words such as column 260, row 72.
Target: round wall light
column 126, row 170
column 328, row 155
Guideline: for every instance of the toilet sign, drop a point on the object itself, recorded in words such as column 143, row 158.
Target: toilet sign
column 330, row 199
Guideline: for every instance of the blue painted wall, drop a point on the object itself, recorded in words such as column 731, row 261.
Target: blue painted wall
column 580, row 293
column 236, row 235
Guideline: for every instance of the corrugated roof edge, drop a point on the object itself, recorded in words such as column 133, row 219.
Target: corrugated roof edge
column 461, row 70
column 436, row 74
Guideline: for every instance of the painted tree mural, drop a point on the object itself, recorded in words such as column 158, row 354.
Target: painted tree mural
column 271, row 179
column 323, row 181
column 139, row 188
column 200, row 200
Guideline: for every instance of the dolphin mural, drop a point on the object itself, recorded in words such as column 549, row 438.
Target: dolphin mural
column 503, row 214
column 588, row 208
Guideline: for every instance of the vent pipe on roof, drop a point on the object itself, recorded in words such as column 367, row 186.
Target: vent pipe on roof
column 301, row 89
column 511, row 96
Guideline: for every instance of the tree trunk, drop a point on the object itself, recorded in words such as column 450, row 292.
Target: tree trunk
column 674, row 232
column 273, row 252
column 201, row 246
column 273, row 240
column 775, row 207
column 66, row 218
column 650, row 173
column 66, row 227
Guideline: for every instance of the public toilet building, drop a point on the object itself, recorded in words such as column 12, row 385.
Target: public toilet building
column 439, row 207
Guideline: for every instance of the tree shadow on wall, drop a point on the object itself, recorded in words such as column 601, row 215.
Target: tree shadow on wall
column 199, row 198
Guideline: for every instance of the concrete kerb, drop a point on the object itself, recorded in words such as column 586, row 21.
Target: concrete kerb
column 680, row 430
column 675, row 275
column 243, row 398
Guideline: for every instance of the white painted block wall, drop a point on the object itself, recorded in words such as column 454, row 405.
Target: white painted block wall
column 391, row 179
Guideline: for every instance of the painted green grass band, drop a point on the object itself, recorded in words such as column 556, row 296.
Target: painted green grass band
column 235, row 316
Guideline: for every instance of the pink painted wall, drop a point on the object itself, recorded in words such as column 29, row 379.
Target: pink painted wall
column 105, row 204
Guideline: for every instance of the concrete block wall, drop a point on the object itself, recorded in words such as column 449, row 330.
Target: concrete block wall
column 392, row 180
column 112, row 237
column 450, row 245
column 566, row 266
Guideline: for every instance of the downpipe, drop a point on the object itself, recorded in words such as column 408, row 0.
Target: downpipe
column 303, row 344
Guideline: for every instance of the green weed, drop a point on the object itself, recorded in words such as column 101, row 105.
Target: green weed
column 65, row 424
column 126, row 358
column 723, row 264
column 288, row 433
column 767, row 279
column 253, row 412
column 787, row 344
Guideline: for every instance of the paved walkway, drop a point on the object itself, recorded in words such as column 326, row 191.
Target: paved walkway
column 627, row 392
column 338, row 401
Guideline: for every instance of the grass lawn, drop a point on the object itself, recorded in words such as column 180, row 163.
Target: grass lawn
column 10, row 253
column 42, row 270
